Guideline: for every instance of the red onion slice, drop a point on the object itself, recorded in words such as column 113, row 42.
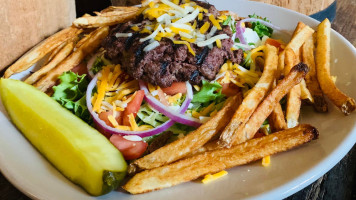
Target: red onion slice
column 239, row 32
column 108, row 129
column 91, row 63
column 179, row 117
column 274, row 27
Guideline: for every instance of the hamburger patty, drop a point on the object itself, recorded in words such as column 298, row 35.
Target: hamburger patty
column 169, row 62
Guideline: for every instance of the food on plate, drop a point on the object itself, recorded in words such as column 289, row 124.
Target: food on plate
column 254, row 97
column 192, row 141
column 320, row 105
column 179, row 88
column 251, row 127
column 77, row 150
column 342, row 101
column 41, row 50
column 110, row 16
column 59, row 57
column 219, row 159
column 73, row 59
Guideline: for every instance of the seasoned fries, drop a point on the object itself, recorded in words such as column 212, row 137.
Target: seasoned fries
column 114, row 16
column 293, row 97
column 342, row 101
column 276, row 119
column 41, row 50
column 297, row 73
column 61, row 55
column 320, row 105
column 252, row 100
column 74, row 59
column 217, row 160
column 194, row 140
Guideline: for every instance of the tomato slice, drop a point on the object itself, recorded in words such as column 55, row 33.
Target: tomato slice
column 104, row 116
column 129, row 149
column 275, row 43
column 133, row 106
column 230, row 89
column 80, row 69
column 162, row 97
column 177, row 87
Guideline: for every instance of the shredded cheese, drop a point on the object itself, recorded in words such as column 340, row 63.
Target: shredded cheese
column 102, row 89
column 187, row 44
column 212, row 40
column 218, row 43
column 132, row 121
column 266, row 161
column 215, row 22
column 211, row 177
column 204, row 28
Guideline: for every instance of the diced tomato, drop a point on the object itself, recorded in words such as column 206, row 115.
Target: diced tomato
column 162, row 97
column 230, row 89
column 129, row 149
column 275, row 43
column 80, row 69
column 177, row 87
column 104, row 116
column 132, row 107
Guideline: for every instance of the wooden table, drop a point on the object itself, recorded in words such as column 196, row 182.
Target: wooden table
column 338, row 183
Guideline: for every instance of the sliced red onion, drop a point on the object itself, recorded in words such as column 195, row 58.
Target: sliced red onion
column 274, row 27
column 240, row 32
column 108, row 129
column 174, row 115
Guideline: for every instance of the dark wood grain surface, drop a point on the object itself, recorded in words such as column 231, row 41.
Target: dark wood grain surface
column 338, row 183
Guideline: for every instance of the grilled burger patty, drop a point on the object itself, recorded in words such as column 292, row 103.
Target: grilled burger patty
column 169, row 62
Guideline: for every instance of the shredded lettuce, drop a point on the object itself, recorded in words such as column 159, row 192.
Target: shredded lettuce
column 210, row 91
column 99, row 63
column 227, row 21
column 70, row 93
column 259, row 28
column 149, row 116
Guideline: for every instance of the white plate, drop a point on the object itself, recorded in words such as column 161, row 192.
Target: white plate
column 289, row 172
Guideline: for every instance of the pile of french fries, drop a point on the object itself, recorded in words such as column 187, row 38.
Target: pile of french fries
column 301, row 71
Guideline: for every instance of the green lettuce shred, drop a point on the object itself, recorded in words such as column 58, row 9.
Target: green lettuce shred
column 70, row 93
column 210, row 91
column 259, row 28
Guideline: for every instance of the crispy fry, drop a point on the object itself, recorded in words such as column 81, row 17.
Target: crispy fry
column 54, row 53
column 194, row 140
column 280, row 68
column 297, row 73
column 61, row 55
column 342, row 101
column 276, row 119
column 107, row 18
column 41, row 50
column 320, row 105
column 117, row 8
column 74, row 59
column 293, row 97
column 299, row 38
column 217, row 160
column 305, row 93
column 252, row 100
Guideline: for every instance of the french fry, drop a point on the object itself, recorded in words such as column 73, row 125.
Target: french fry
column 305, row 93
column 54, row 53
column 276, row 119
column 342, row 101
column 112, row 9
column 293, row 97
column 252, row 100
column 107, row 18
column 320, row 105
column 61, row 55
column 73, row 59
column 299, row 37
column 42, row 49
column 220, row 159
column 297, row 73
column 194, row 140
